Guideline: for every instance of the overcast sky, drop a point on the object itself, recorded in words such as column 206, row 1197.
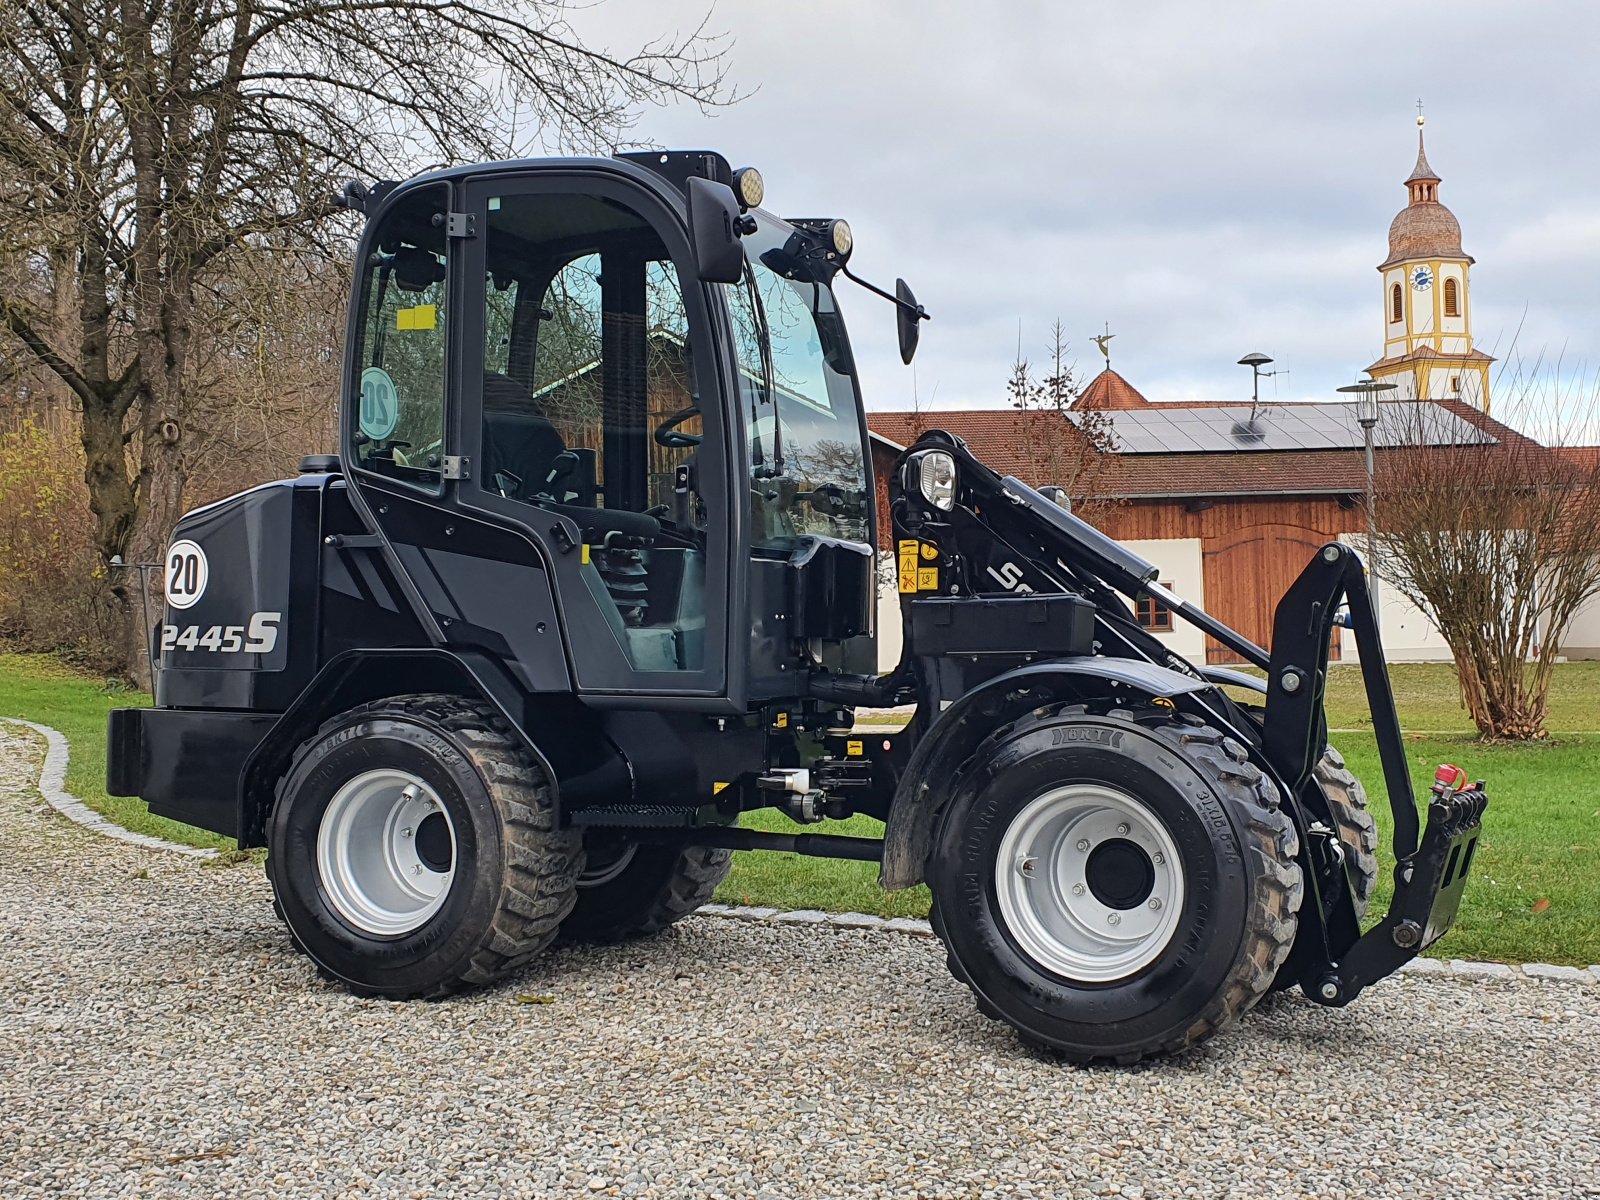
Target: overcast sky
column 1209, row 178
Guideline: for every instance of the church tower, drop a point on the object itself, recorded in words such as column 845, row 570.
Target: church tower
column 1427, row 301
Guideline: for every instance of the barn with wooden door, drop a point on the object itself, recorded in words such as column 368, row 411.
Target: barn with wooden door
column 1229, row 501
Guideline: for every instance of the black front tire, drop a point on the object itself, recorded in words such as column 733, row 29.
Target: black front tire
column 634, row 890
column 1242, row 885
column 514, row 871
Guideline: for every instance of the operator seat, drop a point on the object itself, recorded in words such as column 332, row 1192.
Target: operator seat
column 520, row 446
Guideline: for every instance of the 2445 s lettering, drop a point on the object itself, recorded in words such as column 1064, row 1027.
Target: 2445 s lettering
column 258, row 637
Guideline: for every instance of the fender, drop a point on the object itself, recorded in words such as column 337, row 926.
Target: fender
column 923, row 790
column 580, row 761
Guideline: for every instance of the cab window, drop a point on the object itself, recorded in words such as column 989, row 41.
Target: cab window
column 399, row 384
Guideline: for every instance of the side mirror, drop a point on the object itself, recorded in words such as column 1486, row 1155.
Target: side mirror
column 908, row 316
column 713, row 213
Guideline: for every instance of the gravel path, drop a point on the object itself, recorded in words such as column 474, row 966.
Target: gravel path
column 159, row 1037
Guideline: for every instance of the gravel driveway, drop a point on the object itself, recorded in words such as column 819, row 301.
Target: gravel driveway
column 159, row 1037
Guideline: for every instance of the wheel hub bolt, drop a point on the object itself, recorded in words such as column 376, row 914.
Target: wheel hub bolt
column 1155, row 903
column 1083, row 845
column 1159, row 858
column 406, row 832
column 1113, row 919
column 1077, row 889
column 417, row 869
column 1122, row 830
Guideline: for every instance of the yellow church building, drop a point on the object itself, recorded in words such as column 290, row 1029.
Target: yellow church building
column 1427, row 301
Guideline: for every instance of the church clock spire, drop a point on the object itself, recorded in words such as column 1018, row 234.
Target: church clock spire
column 1427, row 314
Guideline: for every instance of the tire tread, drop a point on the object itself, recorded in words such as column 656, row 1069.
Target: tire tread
column 540, row 861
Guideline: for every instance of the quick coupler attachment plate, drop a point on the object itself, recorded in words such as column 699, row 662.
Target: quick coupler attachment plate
column 1427, row 891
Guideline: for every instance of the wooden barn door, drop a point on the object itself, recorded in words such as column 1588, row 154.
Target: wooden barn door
column 1247, row 570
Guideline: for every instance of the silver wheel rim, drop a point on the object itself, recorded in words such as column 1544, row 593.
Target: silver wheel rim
column 1061, row 897
column 385, row 863
column 603, row 870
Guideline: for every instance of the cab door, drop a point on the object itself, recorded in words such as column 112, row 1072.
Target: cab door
column 589, row 407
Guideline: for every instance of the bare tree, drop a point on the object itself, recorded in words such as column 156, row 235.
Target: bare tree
column 1073, row 452
column 1496, row 543
column 149, row 152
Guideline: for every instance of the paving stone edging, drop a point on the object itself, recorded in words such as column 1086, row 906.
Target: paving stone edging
column 52, row 786
column 1455, row 968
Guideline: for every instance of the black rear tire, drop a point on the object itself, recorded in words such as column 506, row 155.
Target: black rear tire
column 1358, row 833
column 632, row 890
column 512, row 871
column 1241, row 885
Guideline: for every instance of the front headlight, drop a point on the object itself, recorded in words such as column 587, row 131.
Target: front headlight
column 936, row 478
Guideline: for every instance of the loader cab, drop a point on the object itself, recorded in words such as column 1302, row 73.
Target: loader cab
column 613, row 475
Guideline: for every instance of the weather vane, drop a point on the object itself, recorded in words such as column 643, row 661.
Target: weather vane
column 1103, row 340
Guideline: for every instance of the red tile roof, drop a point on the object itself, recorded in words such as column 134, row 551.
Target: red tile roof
column 999, row 436
column 1110, row 390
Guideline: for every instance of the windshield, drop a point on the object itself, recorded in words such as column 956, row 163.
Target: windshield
column 808, row 473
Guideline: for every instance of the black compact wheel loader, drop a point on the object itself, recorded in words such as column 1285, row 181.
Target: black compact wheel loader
column 594, row 574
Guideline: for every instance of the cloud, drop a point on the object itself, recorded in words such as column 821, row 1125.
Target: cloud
column 1210, row 179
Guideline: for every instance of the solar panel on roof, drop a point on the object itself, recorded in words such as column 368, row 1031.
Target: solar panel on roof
column 1231, row 428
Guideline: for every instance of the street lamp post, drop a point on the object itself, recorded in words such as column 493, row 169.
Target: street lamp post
column 1366, row 392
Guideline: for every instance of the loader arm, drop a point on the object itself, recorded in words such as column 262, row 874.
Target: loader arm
column 985, row 535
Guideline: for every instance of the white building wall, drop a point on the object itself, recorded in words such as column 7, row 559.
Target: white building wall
column 890, row 627
column 1583, row 639
column 1182, row 569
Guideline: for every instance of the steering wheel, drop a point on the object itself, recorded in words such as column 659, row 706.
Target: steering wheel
column 668, row 434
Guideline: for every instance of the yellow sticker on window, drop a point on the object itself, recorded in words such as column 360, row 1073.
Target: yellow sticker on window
column 423, row 316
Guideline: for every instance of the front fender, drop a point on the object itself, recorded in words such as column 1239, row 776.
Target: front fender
column 924, row 787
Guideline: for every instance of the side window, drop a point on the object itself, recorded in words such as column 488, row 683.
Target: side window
column 400, row 360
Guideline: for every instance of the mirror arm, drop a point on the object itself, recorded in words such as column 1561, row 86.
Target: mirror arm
column 913, row 310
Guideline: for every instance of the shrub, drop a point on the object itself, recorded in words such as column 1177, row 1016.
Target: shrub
column 54, row 591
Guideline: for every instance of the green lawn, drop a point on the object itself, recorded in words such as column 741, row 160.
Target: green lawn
column 1429, row 699
column 1541, row 839
column 39, row 688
